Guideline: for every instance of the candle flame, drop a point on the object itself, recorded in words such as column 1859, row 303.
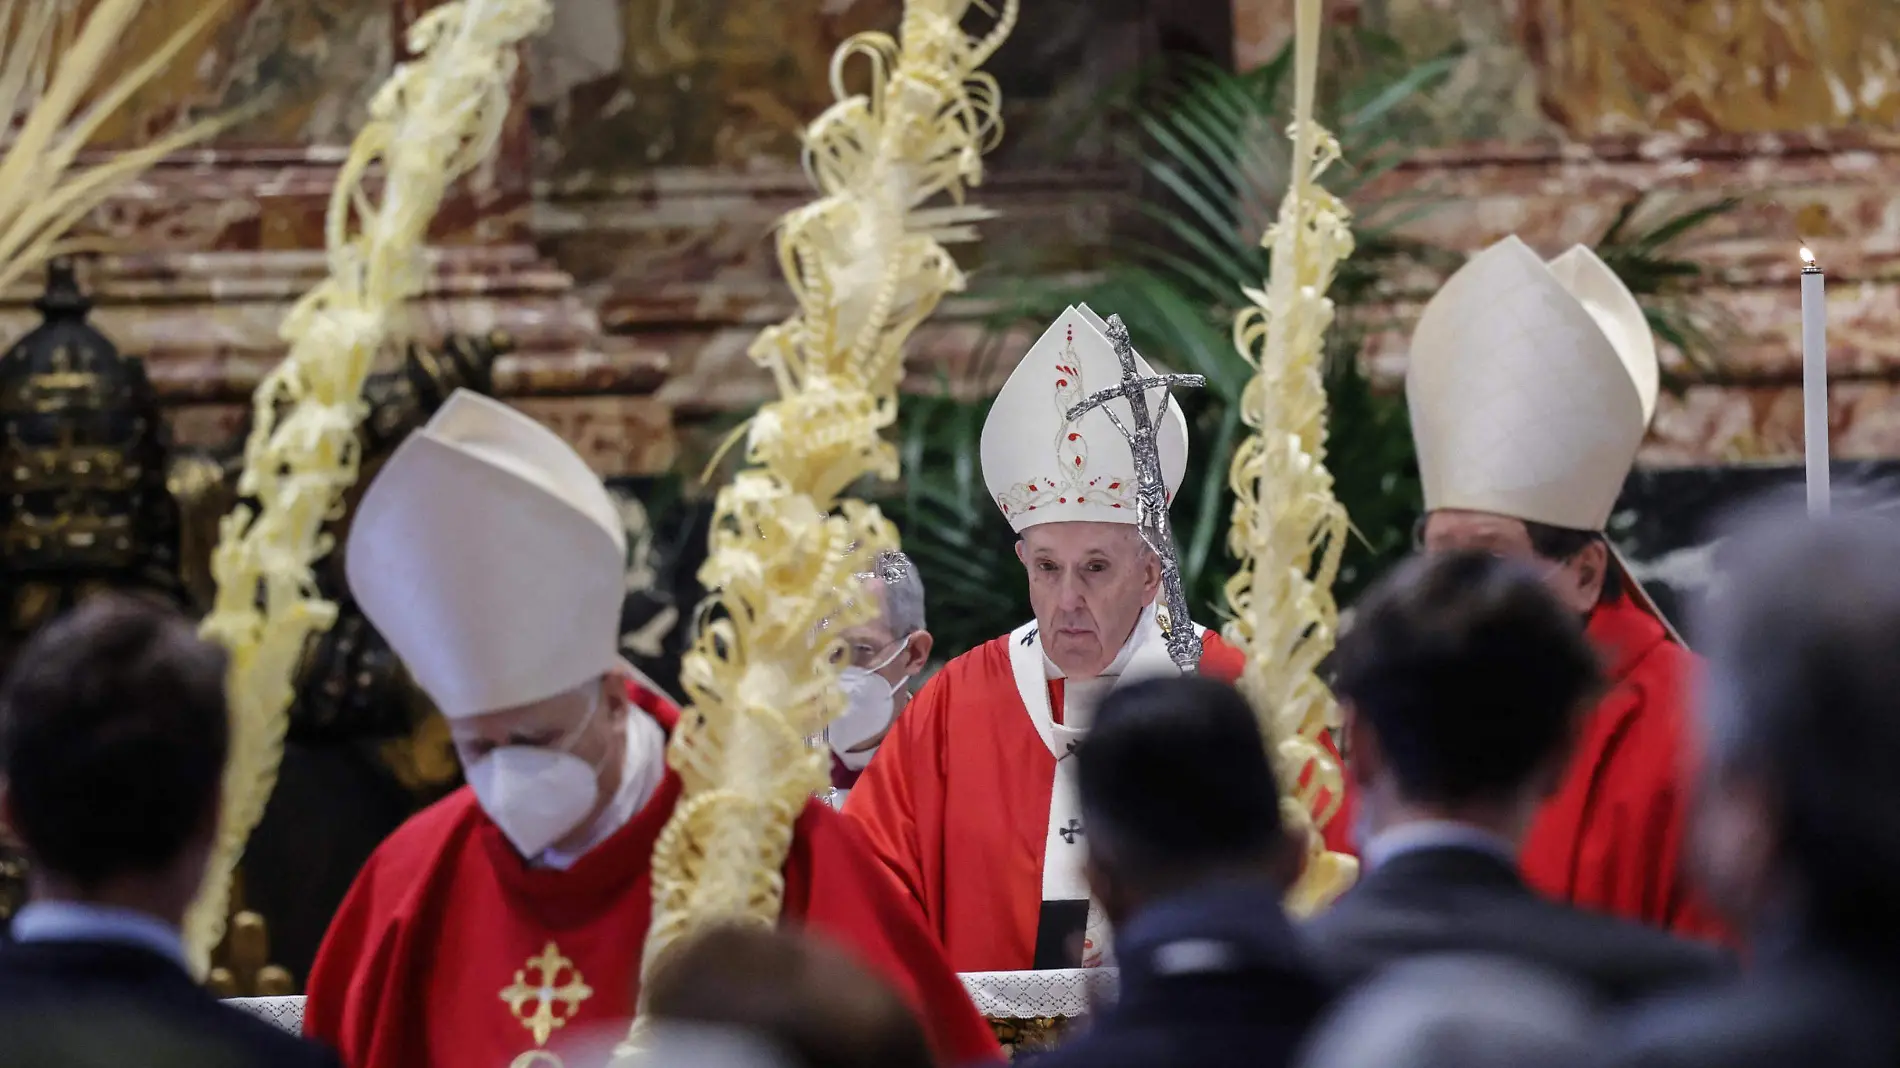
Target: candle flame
column 1807, row 256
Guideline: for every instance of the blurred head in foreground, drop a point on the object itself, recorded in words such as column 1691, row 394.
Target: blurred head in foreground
column 812, row 1004
column 113, row 735
column 1176, row 791
column 1798, row 795
column 1462, row 678
column 1455, row 1012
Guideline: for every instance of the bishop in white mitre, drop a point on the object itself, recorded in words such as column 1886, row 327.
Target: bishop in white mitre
column 971, row 798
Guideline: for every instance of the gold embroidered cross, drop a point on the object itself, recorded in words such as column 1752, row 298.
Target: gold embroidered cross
column 548, row 967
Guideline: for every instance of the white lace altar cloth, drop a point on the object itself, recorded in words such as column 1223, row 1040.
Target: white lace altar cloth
column 998, row 996
column 286, row 1013
column 1063, row 993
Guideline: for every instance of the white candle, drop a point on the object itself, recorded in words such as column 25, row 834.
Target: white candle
column 1814, row 379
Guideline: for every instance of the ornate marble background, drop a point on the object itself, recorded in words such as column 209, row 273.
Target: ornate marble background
column 1560, row 112
column 624, row 233
column 1580, row 69
column 314, row 63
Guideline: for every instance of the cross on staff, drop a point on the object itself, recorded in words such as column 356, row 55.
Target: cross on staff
column 1151, row 490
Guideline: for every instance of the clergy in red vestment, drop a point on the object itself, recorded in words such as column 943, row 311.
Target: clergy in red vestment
column 885, row 653
column 971, row 799
column 1531, row 385
column 513, row 913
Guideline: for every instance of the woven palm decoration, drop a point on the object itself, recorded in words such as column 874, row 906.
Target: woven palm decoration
column 437, row 118
column 1289, row 529
column 867, row 263
column 54, row 84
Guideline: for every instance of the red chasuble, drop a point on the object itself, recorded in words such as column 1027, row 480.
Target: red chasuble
column 451, row 951
column 1612, row 837
column 957, row 803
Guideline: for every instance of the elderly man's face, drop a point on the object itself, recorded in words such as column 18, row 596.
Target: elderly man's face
column 875, row 646
column 869, row 643
column 588, row 722
column 1088, row 583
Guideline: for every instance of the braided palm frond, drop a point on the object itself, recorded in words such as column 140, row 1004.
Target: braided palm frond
column 1288, row 529
column 54, row 80
column 437, row 118
column 867, row 263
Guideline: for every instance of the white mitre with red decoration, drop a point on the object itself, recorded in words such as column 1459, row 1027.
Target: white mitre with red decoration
column 1041, row 466
column 491, row 557
column 1530, row 386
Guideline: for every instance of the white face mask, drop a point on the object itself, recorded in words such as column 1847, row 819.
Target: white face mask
column 537, row 795
column 870, row 704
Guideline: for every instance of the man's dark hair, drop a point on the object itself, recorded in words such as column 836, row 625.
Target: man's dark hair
column 113, row 736
column 1562, row 544
column 1469, row 671
column 1801, row 697
column 810, row 1001
column 1173, row 777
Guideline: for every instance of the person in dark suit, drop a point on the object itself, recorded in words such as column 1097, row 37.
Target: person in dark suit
column 113, row 736
column 1463, row 681
column 1794, row 828
column 1189, row 861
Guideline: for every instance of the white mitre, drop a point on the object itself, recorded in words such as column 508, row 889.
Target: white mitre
column 1531, row 385
column 1040, row 466
column 491, row 558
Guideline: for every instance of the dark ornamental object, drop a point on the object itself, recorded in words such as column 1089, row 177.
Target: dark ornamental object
column 83, row 499
column 1151, row 490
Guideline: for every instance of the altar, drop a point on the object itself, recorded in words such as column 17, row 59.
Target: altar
column 1028, row 1010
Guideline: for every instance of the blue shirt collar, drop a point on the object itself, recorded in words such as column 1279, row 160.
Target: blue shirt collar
column 73, row 921
column 1435, row 834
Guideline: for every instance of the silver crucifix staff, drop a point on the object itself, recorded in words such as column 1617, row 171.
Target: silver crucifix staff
column 1151, row 490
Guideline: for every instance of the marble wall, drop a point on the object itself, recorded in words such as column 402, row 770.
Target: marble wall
column 631, row 85
column 205, row 253
column 1713, row 66
column 638, row 265
column 666, row 141
column 637, row 270
column 624, row 232
column 1581, row 69
column 312, row 64
column 1558, row 113
column 622, row 88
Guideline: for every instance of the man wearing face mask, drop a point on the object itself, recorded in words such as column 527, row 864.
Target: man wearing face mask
column 1531, row 385
column 971, row 801
column 516, row 909
column 886, row 653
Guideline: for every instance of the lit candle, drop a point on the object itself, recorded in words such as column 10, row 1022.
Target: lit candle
column 1814, row 379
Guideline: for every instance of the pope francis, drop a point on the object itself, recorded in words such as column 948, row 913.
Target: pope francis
column 971, row 800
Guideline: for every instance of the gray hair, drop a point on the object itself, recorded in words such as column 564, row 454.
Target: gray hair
column 1455, row 1011
column 903, row 592
column 1799, row 697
